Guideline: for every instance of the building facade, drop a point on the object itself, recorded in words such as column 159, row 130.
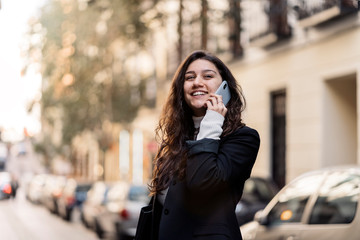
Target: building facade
column 303, row 97
column 299, row 75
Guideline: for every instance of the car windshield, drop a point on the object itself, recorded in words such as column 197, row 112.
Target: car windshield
column 337, row 200
column 258, row 190
column 292, row 200
column 83, row 188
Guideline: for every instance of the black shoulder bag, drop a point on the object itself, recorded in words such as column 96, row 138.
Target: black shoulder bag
column 148, row 224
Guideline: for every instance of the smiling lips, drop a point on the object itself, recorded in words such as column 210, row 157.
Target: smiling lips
column 198, row 93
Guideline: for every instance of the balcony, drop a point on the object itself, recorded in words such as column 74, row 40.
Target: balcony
column 270, row 22
column 313, row 12
column 266, row 22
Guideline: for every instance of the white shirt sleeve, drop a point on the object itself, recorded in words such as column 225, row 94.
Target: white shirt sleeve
column 211, row 125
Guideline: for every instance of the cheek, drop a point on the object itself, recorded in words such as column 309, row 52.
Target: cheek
column 185, row 95
column 186, row 89
column 216, row 86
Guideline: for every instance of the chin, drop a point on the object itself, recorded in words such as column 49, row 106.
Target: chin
column 197, row 107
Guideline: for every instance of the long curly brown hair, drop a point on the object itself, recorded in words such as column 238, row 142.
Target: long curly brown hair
column 176, row 125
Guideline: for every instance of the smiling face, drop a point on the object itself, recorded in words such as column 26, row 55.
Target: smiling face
column 201, row 79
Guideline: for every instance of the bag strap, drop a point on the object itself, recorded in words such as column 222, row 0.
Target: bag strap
column 156, row 216
column 153, row 219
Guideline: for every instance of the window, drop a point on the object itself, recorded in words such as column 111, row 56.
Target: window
column 337, row 201
column 258, row 190
column 278, row 137
column 292, row 201
column 139, row 193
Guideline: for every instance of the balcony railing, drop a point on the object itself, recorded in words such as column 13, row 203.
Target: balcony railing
column 313, row 12
column 266, row 22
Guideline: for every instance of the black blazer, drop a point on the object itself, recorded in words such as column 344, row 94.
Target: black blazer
column 202, row 206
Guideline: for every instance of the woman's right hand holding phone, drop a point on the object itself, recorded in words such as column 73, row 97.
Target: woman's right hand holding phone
column 216, row 104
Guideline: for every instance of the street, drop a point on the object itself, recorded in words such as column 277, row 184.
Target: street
column 22, row 220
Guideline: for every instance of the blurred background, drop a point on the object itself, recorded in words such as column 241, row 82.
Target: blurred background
column 82, row 84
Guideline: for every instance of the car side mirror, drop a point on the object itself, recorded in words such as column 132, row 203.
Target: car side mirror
column 261, row 218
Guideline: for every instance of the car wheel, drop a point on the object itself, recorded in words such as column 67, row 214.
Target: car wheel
column 67, row 216
column 82, row 217
column 98, row 229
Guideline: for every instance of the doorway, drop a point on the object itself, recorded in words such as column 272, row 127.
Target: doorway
column 339, row 122
column 278, row 137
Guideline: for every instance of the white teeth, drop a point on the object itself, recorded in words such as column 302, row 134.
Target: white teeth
column 198, row 93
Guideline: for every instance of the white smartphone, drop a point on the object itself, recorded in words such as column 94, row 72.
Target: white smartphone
column 224, row 91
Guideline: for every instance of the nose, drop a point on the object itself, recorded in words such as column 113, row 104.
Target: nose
column 198, row 81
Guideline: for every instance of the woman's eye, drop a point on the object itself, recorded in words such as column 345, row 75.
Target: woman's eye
column 208, row 76
column 189, row 77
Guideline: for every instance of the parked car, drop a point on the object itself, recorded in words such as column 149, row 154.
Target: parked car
column 52, row 191
column 94, row 203
column 3, row 156
column 322, row 204
column 125, row 226
column 73, row 196
column 257, row 194
column 35, row 188
column 5, row 185
column 122, row 208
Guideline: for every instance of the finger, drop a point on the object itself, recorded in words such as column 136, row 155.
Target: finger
column 212, row 100
column 213, row 104
column 217, row 97
column 209, row 105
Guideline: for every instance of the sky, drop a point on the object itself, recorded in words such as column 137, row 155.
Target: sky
column 17, row 91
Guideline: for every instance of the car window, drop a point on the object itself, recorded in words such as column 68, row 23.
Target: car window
column 292, row 200
column 257, row 190
column 83, row 188
column 139, row 193
column 337, row 201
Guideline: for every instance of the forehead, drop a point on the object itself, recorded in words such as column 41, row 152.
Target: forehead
column 202, row 65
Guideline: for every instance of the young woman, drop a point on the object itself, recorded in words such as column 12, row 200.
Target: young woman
column 206, row 154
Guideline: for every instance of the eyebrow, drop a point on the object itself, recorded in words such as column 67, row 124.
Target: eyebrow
column 206, row 70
